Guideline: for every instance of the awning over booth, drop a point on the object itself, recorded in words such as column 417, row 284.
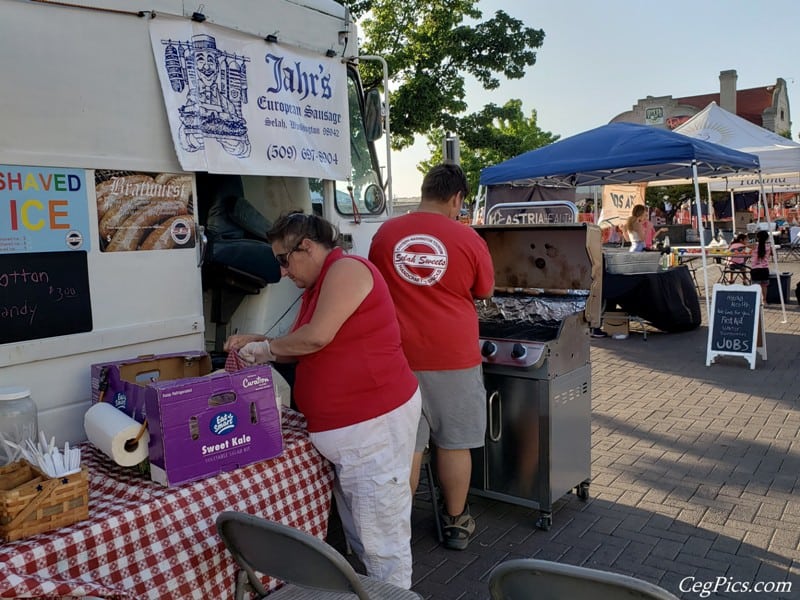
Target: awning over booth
column 778, row 157
column 620, row 153
column 624, row 153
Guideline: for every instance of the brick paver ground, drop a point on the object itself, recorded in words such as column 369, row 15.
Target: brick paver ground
column 695, row 473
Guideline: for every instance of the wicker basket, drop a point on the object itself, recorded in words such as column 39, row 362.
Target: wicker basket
column 31, row 502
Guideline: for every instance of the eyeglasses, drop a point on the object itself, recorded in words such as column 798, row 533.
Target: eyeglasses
column 283, row 257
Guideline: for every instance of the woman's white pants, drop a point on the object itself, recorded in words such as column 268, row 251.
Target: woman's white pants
column 372, row 491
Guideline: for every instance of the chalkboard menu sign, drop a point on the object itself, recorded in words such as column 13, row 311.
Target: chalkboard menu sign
column 733, row 326
column 43, row 294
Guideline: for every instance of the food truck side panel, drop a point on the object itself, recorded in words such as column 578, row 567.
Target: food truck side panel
column 82, row 107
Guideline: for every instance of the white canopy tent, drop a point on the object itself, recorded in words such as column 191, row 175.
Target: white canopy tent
column 779, row 182
column 779, row 157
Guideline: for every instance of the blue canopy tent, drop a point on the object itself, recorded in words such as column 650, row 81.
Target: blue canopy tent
column 620, row 153
column 623, row 153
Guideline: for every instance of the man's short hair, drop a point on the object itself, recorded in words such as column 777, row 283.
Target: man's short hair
column 443, row 181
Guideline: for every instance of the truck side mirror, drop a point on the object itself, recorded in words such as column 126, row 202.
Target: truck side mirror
column 374, row 199
column 373, row 115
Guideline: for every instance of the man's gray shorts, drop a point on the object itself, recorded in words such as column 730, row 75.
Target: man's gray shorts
column 453, row 409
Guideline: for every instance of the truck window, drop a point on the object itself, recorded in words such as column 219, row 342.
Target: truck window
column 364, row 179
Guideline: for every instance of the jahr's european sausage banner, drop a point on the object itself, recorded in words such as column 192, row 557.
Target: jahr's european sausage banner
column 237, row 104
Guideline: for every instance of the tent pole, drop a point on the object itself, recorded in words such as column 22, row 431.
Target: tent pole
column 733, row 215
column 774, row 251
column 710, row 210
column 701, row 234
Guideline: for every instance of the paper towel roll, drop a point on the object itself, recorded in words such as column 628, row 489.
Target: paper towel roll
column 108, row 429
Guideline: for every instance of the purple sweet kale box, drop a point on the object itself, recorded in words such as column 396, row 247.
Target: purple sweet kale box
column 200, row 426
column 123, row 383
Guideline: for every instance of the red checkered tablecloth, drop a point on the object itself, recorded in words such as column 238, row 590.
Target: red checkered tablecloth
column 143, row 540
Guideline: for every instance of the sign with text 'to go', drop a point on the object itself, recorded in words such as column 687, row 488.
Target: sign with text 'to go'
column 733, row 323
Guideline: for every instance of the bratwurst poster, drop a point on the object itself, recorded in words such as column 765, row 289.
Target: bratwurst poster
column 144, row 211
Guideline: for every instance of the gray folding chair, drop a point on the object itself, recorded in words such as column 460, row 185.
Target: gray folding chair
column 533, row 579
column 312, row 569
column 792, row 250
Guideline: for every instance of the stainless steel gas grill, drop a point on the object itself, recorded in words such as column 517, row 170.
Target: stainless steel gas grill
column 535, row 345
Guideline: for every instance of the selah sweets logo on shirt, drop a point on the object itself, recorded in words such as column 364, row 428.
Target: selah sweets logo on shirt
column 420, row 259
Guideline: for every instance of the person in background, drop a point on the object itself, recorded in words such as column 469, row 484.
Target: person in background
column 617, row 235
column 435, row 268
column 738, row 246
column 759, row 262
column 354, row 386
column 650, row 232
column 736, row 265
column 634, row 228
column 668, row 212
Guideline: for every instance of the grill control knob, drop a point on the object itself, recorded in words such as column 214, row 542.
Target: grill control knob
column 519, row 352
column 489, row 349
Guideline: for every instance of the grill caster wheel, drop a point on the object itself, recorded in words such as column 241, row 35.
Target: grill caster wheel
column 583, row 491
column 544, row 521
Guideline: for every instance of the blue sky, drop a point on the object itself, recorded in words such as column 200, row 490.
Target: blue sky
column 599, row 58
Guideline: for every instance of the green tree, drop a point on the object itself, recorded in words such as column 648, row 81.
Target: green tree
column 492, row 135
column 430, row 46
column 654, row 195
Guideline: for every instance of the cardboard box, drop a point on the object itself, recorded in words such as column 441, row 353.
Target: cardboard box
column 201, row 426
column 126, row 380
column 615, row 322
column 743, row 217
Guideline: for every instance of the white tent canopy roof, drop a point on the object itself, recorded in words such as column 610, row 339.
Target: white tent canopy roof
column 779, row 157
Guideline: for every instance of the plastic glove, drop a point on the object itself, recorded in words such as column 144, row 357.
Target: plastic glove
column 256, row 353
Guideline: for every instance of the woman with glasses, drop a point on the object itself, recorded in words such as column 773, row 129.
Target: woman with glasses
column 353, row 384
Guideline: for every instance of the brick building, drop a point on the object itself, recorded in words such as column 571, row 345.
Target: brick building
column 766, row 106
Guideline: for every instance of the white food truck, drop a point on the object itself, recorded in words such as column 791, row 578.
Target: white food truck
column 125, row 134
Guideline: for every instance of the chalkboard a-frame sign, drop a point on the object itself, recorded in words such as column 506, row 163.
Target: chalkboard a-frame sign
column 43, row 294
column 733, row 326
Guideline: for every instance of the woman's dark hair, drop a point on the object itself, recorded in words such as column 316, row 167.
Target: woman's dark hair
column 741, row 238
column 762, row 236
column 295, row 226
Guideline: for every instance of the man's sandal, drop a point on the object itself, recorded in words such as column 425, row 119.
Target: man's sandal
column 457, row 531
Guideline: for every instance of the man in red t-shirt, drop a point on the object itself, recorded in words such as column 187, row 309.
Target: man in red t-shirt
column 435, row 268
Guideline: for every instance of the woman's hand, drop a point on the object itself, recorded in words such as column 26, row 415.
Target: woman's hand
column 257, row 353
column 236, row 342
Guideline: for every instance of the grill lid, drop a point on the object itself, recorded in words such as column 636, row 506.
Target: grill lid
column 553, row 259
